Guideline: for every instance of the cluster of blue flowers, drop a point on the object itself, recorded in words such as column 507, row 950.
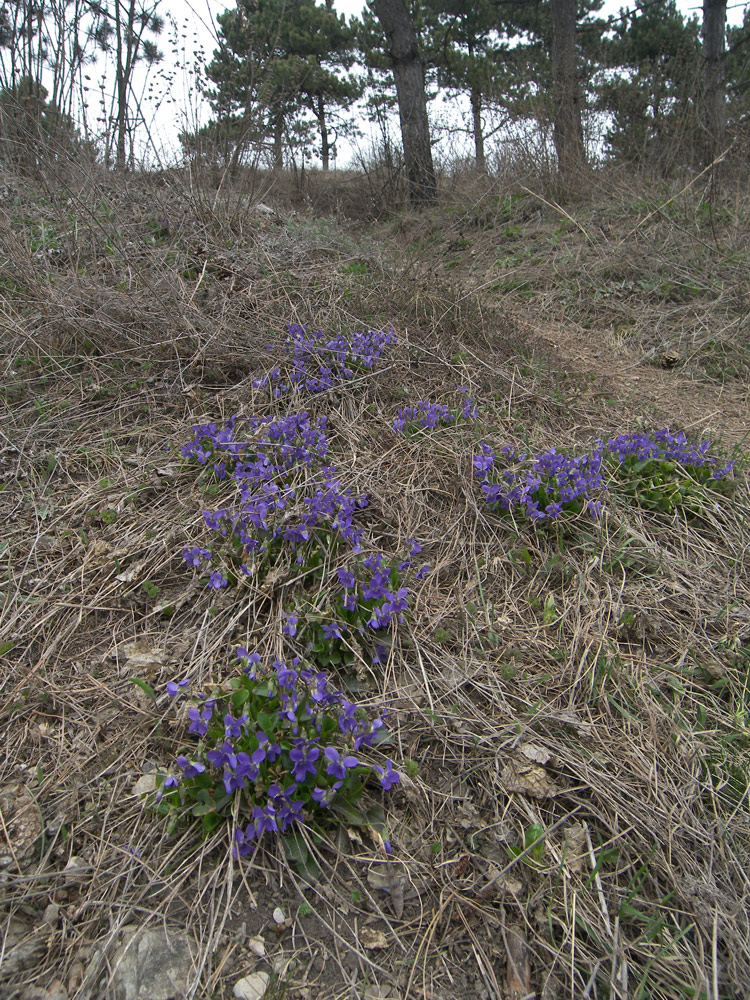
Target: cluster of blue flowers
column 208, row 438
column 545, row 486
column 370, row 600
column 316, row 362
column 284, row 443
column 670, row 448
column 286, row 497
column 372, row 586
column 270, row 741
column 424, row 415
column 427, row 416
column 270, row 507
column 552, row 483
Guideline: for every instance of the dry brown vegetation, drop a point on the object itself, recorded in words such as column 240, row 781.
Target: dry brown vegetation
column 574, row 821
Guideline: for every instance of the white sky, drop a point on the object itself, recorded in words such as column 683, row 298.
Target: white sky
column 174, row 104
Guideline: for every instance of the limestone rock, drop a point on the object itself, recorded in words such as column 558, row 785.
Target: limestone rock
column 252, row 987
column 23, row 947
column 152, row 965
column 22, row 821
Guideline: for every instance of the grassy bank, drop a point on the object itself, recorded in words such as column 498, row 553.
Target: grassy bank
column 567, row 698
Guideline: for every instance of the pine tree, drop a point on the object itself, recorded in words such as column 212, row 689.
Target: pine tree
column 650, row 89
column 714, row 91
column 279, row 60
column 43, row 50
column 567, row 93
column 122, row 29
column 550, row 51
column 409, row 74
column 466, row 50
column 738, row 77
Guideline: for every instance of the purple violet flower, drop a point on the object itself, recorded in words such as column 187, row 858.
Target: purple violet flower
column 290, row 628
column 190, row 768
column 199, row 719
column 232, row 726
column 388, row 777
column 303, row 756
column 338, row 765
column 173, row 687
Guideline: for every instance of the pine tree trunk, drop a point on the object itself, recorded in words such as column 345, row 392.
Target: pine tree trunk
column 568, row 129
column 278, row 143
column 476, row 115
column 475, row 99
column 325, row 148
column 408, row 73
column 122, row 125
column 714, row 91
column 122, row 92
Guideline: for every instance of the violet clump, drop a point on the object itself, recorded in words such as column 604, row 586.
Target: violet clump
column 286, row 498
column 373, row 596
column 316, row 362
column 665, row 471
column 276, row 746
column 660, row 471
column 544, row 488
column 424, row 415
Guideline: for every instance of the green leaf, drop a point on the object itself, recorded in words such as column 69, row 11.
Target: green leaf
column 6, row 647
column 144, row 686
column 550, row 609
column 211, row 821
column 383, row 738
column 348, row 812
column 266, row 722
column 533, row 833
column 239, row 698
column 222, row 801
column 328, row 726
column 295, row 850
column 376, row 819
column 204, row 808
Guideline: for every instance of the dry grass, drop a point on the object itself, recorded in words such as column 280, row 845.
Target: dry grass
column 653, row 272
column 590, row 686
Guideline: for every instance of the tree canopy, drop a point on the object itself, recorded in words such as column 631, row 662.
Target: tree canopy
column 278, row 61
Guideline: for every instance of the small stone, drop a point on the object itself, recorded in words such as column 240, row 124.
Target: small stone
column 535, row 753
column 55, row 991
column 22, row 823
column 23, row 948
column 145, row 785
column 670, row 358
column 380, row 993
column 372, row 939
column 152, row 963
column 52, row 915
column 257, row 946
column 278, row 916
column 281, row 964
column 75, row 866
column 75, row 976
column 252, row 987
